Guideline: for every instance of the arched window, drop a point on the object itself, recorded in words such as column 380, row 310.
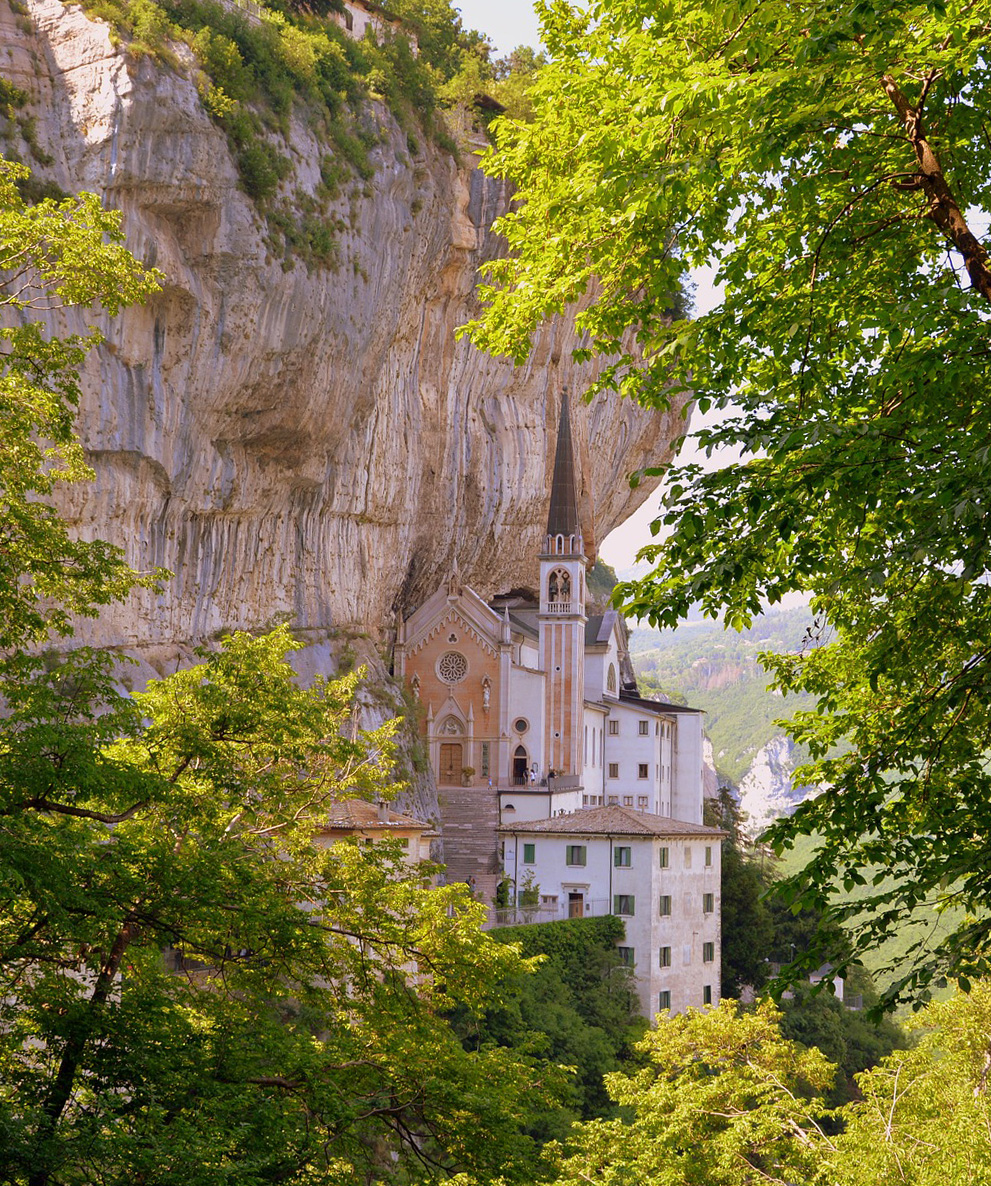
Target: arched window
column 611, row 679
column 558, row 586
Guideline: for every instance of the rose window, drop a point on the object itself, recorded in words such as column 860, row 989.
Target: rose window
column 452, row 667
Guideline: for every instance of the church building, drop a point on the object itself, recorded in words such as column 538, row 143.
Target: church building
column 530, row 713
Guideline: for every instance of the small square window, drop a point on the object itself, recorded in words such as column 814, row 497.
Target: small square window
column 643, row 769
column 627, row 956
column 708, row 855
column 664, row 905
column 642, row 802
column 708, row 952
column 529, row 854
column 708, row 903
column 404, row 842
column 664, row 957
column 662, row 855
column 576, row 855
column 614, row 770
column 664, row 1000
column 627, row 800
column 643, row 728
column 622, row 856
column 706, row 994
column 614, row 728
column 613, row 800
column 623, row 904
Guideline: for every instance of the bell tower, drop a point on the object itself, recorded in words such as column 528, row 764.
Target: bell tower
column 561, row 620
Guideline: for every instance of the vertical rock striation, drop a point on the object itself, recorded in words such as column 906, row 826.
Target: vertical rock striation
column 312, row 443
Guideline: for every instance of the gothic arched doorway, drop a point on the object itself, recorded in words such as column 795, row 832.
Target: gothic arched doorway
column 521, row 763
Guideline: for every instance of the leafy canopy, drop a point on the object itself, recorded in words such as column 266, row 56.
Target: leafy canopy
column 834, row 159
column 296, row 1028
column 54, row 256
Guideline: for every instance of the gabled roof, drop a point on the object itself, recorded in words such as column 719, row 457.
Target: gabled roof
column 599, row 628
column 613, row 821
column 350, row 815
column 562, row 518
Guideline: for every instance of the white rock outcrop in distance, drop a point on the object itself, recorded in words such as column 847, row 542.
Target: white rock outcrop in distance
column 767, row 790
column 312, row 444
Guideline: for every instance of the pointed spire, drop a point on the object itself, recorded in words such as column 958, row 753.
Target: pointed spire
column 562, row 519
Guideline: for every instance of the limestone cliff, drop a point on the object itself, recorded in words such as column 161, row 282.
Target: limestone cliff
column 291, row 442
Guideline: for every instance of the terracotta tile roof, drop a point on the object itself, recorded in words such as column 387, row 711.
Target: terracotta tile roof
column 351, row 814
column 613, row 821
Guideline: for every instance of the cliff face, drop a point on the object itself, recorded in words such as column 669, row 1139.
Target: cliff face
column 310, row 443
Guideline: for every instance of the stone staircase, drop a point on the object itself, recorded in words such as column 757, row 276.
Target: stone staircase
column 469, row 818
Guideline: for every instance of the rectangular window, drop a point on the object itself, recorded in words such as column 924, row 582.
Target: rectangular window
column 627, row 956
column 643, row 728
column 642, row 801
column 662, row 854
column 614, row 728
column 708, row 855
column 404, row 842
column 664, row 957
column 529, row 854
column 613, row 800
column 643, row 769
column 708, row 952
column 485, row 759
column 614, row 770
column 621, row 857
column 623, row 904
column 708, row 904
column 706, row 994
column 664, row 1000
column 688, row 856
column 664, row 902
column 627, row 800
column 576, row 855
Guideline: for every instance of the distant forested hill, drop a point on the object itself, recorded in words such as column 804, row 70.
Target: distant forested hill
column 708, row 667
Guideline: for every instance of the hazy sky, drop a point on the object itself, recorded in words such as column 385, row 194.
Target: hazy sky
column 507, row 23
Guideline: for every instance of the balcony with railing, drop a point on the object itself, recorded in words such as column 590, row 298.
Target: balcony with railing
column 519, row 916
column 561, row 607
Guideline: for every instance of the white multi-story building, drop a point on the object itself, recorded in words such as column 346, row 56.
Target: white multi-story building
column 660, row 875
column 531, row 714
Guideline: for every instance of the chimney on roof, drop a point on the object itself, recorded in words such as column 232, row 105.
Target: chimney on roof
column 382, row 809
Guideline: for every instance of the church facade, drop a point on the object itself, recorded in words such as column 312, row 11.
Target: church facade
column 529, row 713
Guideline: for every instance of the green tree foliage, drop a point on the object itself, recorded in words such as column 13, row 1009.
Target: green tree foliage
column 575, row 1008
column 726, row 1099
column 925, row 1115
column 746, row 921
column 54, row 256
column 304, row 1032
column 723, row 1100
column 834, row 159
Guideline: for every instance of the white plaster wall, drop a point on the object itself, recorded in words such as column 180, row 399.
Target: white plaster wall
column 686, row 929
column 594, row 735
column 687, row 778
column 629, row 750
column 526, row 699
